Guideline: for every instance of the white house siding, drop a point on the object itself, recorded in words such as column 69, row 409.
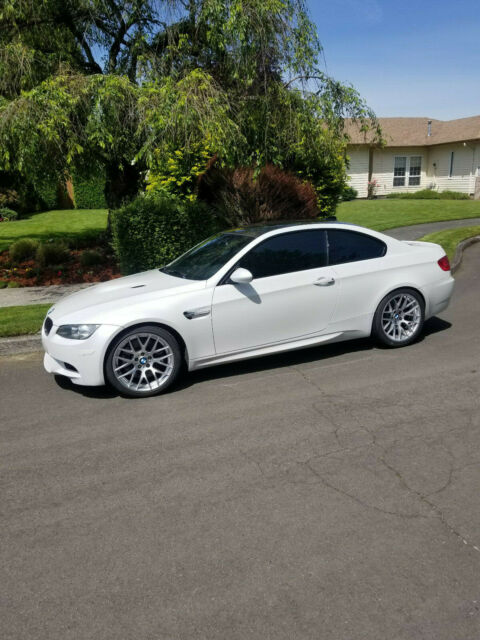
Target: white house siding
column 358, row 169
column 383, row 164
column 465, row 163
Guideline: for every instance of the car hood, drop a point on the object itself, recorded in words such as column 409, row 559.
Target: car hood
column 91, row 303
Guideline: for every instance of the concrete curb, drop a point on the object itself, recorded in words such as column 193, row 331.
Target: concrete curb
column 20, row 344
column 457, row 259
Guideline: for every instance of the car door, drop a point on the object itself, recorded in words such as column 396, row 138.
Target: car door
column 360, row 270
column 292, row 294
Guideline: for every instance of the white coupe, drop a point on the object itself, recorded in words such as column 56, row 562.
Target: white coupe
column 244, row 293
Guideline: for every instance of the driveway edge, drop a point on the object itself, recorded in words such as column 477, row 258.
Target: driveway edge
column 20, row 344
column 457, row 259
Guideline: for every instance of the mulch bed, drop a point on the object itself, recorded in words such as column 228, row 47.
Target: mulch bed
column 27, row 274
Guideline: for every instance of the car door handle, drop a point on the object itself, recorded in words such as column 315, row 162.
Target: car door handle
column 324, row 282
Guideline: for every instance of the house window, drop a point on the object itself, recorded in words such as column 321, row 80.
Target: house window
column 399, row 171
column 407, row 168
column 450, row 169
column 415, row 171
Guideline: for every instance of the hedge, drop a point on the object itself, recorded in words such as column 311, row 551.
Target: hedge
column 156, row 228
column 89, row 192
column 429, row 194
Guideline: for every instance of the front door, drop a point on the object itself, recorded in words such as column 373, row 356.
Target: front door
column 292, row 295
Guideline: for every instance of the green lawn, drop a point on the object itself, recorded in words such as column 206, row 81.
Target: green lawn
column 387, row 214
column 449, row 238
column 18, row 321
column 70, row 224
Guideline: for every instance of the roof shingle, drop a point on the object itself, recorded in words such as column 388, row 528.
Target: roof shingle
column 407, row 132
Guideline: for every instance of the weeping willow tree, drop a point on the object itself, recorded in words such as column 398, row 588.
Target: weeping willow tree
column 130, row 86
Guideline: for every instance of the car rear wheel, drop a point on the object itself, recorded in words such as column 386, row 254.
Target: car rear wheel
column 144, row 361
column 399, row 318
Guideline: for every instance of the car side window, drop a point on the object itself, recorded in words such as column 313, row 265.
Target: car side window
column 351, row 246
column 286, row 253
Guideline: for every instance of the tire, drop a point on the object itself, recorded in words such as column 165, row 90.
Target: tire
column 399, row 318
column 143, row 361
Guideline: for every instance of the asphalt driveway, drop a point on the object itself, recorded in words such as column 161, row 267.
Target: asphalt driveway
column 328, row 494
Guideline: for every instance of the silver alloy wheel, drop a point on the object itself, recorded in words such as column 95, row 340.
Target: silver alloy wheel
column 143, row 362
column 401, row 317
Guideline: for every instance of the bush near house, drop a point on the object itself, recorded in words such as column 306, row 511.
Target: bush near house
column 348, row 194
column 430, row 194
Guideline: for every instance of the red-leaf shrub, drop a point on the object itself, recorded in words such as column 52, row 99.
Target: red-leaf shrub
column 240, row 197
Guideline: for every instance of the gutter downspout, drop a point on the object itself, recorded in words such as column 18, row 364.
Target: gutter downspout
column 472, row 172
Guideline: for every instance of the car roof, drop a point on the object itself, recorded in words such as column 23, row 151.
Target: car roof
column 256, row 230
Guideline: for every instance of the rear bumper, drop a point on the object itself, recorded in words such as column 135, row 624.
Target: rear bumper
column 438, row 295
column 80, row 360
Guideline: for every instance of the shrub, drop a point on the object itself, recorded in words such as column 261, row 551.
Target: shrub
column 430, row 194
column 453, row 195
column 372, row 189
column 51, row 253
column 3, row 284
column 154, row 229
column 13, row 285
column 349, row 193
column 91, row 258
column 89, row 192
column 8, row 214
column 23, row 249
column 9, row 198
column 240, row 197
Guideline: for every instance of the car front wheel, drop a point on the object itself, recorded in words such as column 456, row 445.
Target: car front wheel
column 144, row 361
column 399, row 318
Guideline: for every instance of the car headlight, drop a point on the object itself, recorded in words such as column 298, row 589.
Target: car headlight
column 77, row 331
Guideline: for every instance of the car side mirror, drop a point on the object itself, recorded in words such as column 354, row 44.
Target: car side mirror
column 241, row 276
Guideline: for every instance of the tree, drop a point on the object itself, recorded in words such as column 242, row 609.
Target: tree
column 129, row 85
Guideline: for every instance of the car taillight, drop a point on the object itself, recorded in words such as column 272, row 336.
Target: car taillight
column 444, row 264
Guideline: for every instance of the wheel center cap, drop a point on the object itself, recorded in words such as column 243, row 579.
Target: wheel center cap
column 143, row 360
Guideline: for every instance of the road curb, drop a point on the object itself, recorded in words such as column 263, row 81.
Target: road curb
column 457, row 259
column 20, row 344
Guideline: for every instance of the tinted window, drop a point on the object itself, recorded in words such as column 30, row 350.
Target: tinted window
column 204, row 260
column 350, row 246
column 295, row 251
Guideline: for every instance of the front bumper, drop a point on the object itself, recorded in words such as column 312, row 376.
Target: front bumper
column 80, row 360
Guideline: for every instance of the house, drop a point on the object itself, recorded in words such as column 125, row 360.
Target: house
column 419, row 153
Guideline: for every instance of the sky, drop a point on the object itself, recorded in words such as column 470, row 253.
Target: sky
column 405, row 58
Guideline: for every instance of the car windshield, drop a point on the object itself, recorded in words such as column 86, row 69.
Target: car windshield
column 206, row 258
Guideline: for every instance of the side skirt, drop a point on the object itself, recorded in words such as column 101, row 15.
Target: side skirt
column 201, row 363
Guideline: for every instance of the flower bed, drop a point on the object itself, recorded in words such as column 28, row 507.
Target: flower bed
column 28, row 273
